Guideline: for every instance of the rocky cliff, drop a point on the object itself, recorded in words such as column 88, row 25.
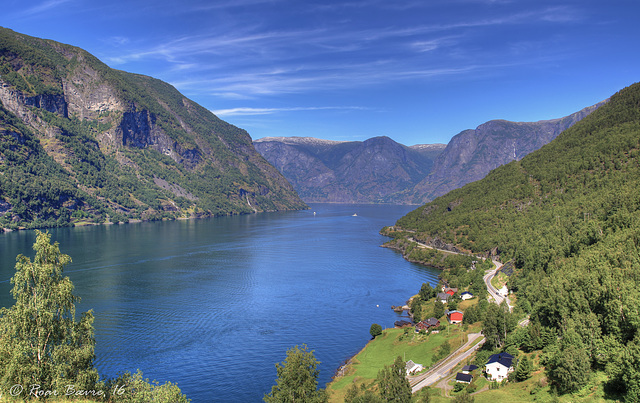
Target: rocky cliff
column 379, row 170
column 372, row 171
column 122, row 146
column 472, row 154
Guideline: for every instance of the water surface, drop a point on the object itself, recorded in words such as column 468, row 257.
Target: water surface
column 213, row 304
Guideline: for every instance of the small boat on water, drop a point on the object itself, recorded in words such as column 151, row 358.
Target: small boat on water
column 354, row 215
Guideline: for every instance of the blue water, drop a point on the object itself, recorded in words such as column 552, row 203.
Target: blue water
column 213, row 304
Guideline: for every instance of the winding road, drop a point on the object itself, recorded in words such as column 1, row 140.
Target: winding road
column 487, row 277
column 492, row 290
column 445, row 366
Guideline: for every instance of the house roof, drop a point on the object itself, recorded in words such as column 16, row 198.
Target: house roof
column 504, row 359
column 432, row 321
column 466, row 293
column 448, row 312
column 469, row 368
column 443, row 295
column 464, row 377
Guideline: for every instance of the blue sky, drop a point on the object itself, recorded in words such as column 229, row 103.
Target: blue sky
column 416, row 71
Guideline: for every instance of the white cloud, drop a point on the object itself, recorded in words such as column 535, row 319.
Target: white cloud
column 270, row 111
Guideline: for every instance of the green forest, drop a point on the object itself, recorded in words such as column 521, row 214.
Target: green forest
column 156, row 156
column 567, row 216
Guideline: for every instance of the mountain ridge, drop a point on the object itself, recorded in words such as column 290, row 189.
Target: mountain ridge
column 347, row 171
column 130, row 145
column 567, row 219
column 324, row 171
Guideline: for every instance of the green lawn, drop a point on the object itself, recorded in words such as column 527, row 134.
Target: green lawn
column 384, row 350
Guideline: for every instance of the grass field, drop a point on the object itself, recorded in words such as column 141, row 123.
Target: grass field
column 385, row 348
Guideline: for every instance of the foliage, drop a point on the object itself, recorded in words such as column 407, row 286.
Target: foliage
column 393, row 384
column 569, row 368
column 136, row 389
column 523, row 372
column 497, row 324
column 438, row 309
column 375, row 330
column 443, row 351
column 624, row 370
column 165, row 157
column 297, row 378
column 426, row 292
column 464, row 398
column 568, row 216
column 42, row 343
column 361, row 394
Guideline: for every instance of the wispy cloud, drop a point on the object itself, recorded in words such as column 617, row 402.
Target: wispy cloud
column 44, row 7
column 250, row 60
column 270, row 111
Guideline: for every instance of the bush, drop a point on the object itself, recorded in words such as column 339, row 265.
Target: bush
column 136, row 389
column 375, row 330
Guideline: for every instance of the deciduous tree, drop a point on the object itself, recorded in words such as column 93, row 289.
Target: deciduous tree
column 393, row 384
column 375, row 330
column 41, row 342
column 297, row 379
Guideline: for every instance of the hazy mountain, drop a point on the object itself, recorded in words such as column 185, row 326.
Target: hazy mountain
column 370, row 171
column 379, row 170
column 471, row 154
column 82, row 142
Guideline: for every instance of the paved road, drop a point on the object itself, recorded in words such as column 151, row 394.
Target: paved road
column 443, row 369
column 492, row 290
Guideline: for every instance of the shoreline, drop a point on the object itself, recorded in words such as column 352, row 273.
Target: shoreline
column 4, row 230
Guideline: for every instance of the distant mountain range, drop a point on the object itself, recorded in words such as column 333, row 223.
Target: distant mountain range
column 348, row 172
column 81, row 143
column 379, row 170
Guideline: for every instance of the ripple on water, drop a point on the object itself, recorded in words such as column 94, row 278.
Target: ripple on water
column 204, row 303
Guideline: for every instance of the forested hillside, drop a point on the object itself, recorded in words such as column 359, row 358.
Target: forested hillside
column 568, row 215
column 83, row 143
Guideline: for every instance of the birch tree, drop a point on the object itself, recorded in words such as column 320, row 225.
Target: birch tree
column 41, row 343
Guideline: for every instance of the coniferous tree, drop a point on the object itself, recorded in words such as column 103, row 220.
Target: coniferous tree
column 525, row 367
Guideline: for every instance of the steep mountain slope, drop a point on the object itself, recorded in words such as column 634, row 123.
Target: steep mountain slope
column 122, row 146
column 471, row 154
column 348, row 172
column 568, row 215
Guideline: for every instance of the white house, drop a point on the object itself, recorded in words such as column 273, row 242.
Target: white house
column 466, row 295
column 499, row 366
column 504, row 291
column 412, row 367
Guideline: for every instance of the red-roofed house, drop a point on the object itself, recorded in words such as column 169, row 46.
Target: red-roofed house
column 454, row 316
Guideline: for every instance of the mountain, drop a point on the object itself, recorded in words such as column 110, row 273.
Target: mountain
column 471, row 154
column 370, row 171
column 380, row 170
column 83, row 143
column 567, row 217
